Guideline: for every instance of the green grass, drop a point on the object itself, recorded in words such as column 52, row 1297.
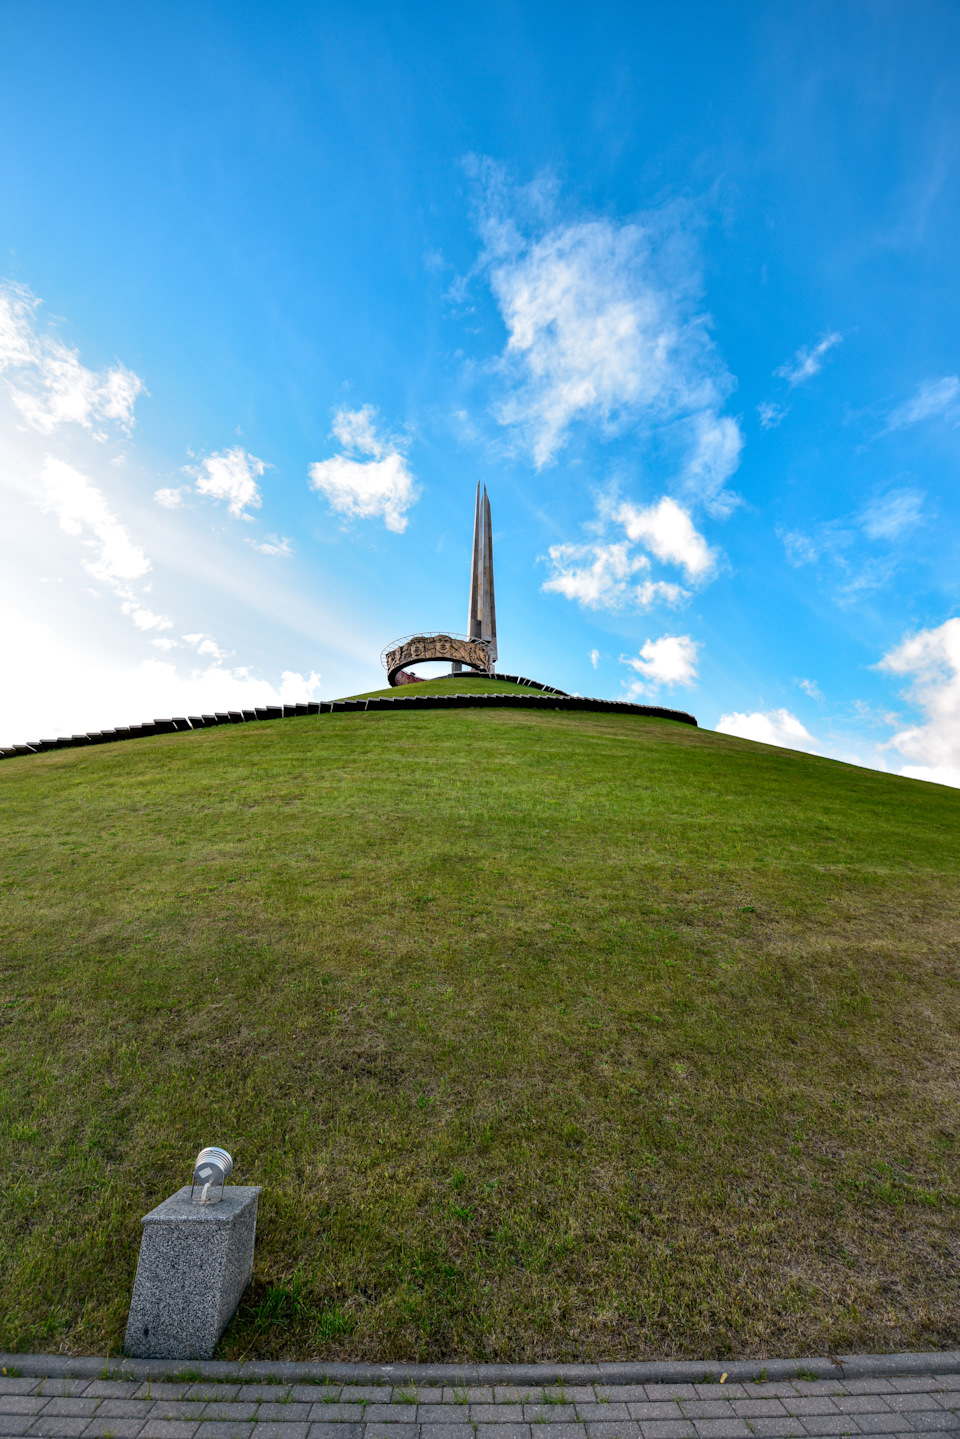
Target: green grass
column 445, row 685
column 550, row 1036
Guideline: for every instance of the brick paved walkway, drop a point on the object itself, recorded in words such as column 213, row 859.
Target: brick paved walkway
column 99, row 1408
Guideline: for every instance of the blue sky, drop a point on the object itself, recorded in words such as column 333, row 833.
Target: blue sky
column 679, row 283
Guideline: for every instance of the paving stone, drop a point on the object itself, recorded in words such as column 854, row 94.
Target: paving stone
column 334, row 1431
column 654, row 1410
column 915, row 1384
column 333, row 1413
column 552, row 1413
column 273, row 1429
column 564, row 1430
column 608, row 1429
column 221, row 1429
column 64, row 1388
column 451, row 1431
column 152, row 1389
column 390, row 1414
column 273, row 1393
column 15, row 1424
column 22, row 1403
column 835, row 1423
column 806, row 1404
column 430, row 1394
column 169, row 1429
column 185, row 1409
column 728, row 1428
column 503, row 1394
column 929, row 1421
column 768, row 1390
column 727, row 1390
column 668, row 1429
column 124, row 1409
column 292, row 1413
column 372, row 1393
column 70, row 1408
column 814, row 1387
column 103, row 1428
column 884, row 1423
column 480, row 1414
column 232, row 1410
column 602, row 1411
column 670, row 1391
column 776, row 1428
column 948, row 1381
column 112, row 1389
column 59, row 1426
column 705, row 1409
column 214, row 1391
column 11, row 1384
column 587, row 1394
column 503, row 1431
column 758, row 1408
column 872, row 1403
column 868, row 1386
column 390, row 1431
column 479, row 1394
column 620, row 1393
column 900, row 1403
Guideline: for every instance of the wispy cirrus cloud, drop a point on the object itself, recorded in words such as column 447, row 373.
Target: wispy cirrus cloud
column 46, row 380
column 372, row 479
column 808, row 361
column 603, row 331
column 934, row 399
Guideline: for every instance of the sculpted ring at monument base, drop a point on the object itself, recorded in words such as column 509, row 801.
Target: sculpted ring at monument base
column 475, row 654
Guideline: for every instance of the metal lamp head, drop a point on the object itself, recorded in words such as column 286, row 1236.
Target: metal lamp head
column 211, row 1169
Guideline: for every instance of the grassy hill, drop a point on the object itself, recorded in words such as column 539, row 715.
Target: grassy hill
column 450, row 685
column 553, row 1035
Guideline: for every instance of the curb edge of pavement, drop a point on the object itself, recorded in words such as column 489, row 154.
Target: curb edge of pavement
column 655, row 1371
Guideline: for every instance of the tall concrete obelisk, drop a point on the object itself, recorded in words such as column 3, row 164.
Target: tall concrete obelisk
column 483, row 609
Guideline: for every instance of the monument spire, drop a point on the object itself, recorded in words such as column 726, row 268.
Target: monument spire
column 483, row 609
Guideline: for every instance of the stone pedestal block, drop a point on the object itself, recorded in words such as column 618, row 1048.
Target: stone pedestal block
column 195, row 1262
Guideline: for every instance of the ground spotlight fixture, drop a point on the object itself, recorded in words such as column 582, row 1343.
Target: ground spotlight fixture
column 211, row 1169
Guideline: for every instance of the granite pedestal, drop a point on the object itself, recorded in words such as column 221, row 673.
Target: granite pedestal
column 195, row 1262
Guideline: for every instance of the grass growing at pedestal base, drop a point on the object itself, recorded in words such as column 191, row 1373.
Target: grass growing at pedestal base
column 551, row 1036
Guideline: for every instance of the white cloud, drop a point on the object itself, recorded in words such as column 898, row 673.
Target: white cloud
column 933, row 398
column 594, row 658
column 771, row 414
column 601, row 574
column 47, row 382
column 668, row 532
column 594, row 575
column 714, row 455
column 887, row 517
column 274, row 545
column 800, row 548
column 82, row 511
column 230, row 475
column 145, row 619
column 811, row 688
column 778, row 727
column 169, row 499
column 806, row 362
column 602, row 330
column 72, row 689
column 671, row 660
column 206, row 645
column 379, row 485
column 931, row 658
